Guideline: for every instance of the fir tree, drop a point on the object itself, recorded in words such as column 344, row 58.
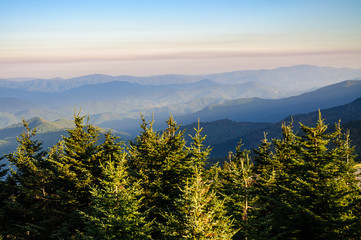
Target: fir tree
column 312, row 190
column 263, row 156
column 5, row 194
column 161, row 164
column 199, row 154
column 236, row 185
column 76, row 167
column 201, row 214
column 25, row 210
column 115, row 209
column 198, row 212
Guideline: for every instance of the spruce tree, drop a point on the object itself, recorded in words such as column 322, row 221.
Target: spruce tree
column 198, row 212
column 161, row 164
column 275, row 187
column 198, row 152
column 236, row 185
column 115, row 209
column 76, row 167
column 311, row 191
column 5, row 193
column 201, row 214
column 263, row 155
column 25, row 213
column 330, row 181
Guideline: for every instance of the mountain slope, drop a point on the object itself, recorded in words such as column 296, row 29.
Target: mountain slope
column 47, row 132
column 224, row 130
column 126, row 96
column 300, row 77
column 273, row 110
column 126, row 99
column 10, row 104
column 349, row 114
column 7, row 119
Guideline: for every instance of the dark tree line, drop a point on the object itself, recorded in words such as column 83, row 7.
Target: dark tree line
column 302, row 186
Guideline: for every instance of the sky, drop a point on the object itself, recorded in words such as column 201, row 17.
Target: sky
column 69, row 38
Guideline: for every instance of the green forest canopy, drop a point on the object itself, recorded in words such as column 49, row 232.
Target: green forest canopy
column 301, row 186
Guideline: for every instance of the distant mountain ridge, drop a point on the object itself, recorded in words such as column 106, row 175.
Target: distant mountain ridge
column 302, row 77
column 117, row 101
column 47, row 132
column 11, row 104
column 223, row 135
column 273, row 110
column 255, row 109
column 349, row 114
column 125, row 99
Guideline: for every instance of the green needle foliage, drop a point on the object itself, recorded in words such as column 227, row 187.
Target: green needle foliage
column 76, row 167
column 236, row 186
column 161, row 164
column 204, row 214
column 302, row 186
column 199, row 153
column 115, row 208
column 5, row 193
column 310, row 190
column 199, row 213
column 25, row 210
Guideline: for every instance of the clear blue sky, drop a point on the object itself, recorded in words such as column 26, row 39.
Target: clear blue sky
column 71, row 38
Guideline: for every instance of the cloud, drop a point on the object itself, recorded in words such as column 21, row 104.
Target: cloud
column 178, row 55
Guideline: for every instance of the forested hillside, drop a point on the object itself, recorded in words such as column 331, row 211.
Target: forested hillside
column 302, row 185
column 224, row 135
column 49, row 133
column 180, row 120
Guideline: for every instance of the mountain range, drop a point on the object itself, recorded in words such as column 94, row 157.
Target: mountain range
column 47, row 132
column 299, row 78
column 254, row 109
column 232, row 105
column 224, row 135
column 273, row 110
column 125, row 97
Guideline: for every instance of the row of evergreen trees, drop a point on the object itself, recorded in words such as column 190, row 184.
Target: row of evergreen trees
column 303, row 186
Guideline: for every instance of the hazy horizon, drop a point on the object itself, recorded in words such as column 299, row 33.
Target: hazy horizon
column 23, row 79
column 48, row 39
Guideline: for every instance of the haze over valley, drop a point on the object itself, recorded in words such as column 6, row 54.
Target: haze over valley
column 257, row 61
column 107, row 98
column 261, row 97
column 180, row 119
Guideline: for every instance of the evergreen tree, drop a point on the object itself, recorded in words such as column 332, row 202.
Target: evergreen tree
column 111, row 149
column 312, row 190
column 198, row 213
column 115, row 209
column 25, row 212
column 199, row 154
column 330, row 181
column 5, row 194
column 263, row 155
column 76, row 168
column 201, row 215
column 275, row 187
column 161, row 164
column 236, row 185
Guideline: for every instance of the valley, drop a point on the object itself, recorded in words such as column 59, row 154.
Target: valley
column 230, row 106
